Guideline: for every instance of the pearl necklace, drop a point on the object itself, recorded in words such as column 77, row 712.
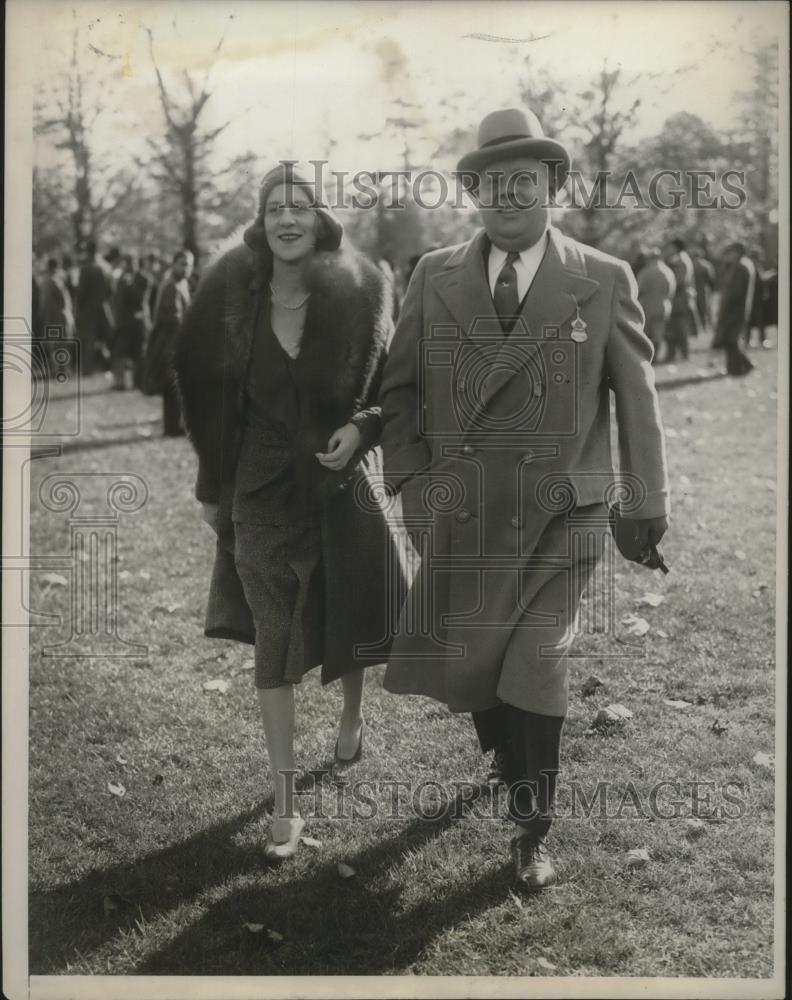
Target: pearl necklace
column 285, row 304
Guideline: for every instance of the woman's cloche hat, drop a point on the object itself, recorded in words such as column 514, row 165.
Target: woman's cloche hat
column 514, row 132
column 331, row 230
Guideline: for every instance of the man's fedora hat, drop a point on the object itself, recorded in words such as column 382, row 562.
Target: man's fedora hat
column 514, row 132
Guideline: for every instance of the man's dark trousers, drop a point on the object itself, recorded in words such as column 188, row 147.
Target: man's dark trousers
column 531, row 746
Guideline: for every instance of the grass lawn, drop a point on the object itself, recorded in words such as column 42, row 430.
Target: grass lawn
column 163, row 879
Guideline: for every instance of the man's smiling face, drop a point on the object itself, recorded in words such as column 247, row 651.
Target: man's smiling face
column 514, row 199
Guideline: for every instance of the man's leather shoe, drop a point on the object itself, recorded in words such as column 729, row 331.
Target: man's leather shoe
column 533, row 868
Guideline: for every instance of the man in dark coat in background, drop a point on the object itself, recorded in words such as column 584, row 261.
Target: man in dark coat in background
column 758, row 318
column 737, row 291
column 683, row 321
column 706, row 283
column 94, row 314
column 130, row 309
column 159, row 379
column 55, row 303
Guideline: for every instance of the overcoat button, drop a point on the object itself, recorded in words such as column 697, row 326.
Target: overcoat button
column 515, row 522
column 463, row 515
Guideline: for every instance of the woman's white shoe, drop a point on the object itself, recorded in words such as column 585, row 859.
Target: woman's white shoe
column 284, row 838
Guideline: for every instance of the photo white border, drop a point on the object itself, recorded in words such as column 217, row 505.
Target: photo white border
column 20, row 56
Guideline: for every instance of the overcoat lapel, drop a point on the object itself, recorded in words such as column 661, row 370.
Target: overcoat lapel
column 556, row 293
column 463, row 284
column 559, row 288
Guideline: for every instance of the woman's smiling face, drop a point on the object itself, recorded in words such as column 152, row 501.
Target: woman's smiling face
column 290, row 222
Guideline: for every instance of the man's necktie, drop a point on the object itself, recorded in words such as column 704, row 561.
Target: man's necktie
column 505, row 296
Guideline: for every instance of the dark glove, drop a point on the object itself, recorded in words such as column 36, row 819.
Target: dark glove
column 637, row 538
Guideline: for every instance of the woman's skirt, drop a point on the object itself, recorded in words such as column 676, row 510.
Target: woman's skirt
column 279, row 566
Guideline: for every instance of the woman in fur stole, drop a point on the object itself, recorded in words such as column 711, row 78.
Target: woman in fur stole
column 278, row 363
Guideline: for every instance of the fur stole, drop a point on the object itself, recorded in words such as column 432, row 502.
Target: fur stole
column 347, row 327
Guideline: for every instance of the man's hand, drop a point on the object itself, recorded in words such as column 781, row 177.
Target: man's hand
column 634, row 537
column 209, row 513
column 340, row 448
column 650, row 530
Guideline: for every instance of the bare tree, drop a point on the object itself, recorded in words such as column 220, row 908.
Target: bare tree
column 69, row 114
column 180, row 158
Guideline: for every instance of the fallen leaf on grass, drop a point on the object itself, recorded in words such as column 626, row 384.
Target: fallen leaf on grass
column 635, row 625
column 651, row 600
column 218, row 684
column 253, row 928
column 345, row 871
column 590, row 686
column 677, row 703
column 274, row 936
column 169, row 608
column 739, row 554
column 637, row 858
column 121, row 760
column 544, row 963
column 54, row 580
column 695, row 828
column 118, row 790
column 661, row 632
column 610, row 717
column 764, row 760
column 311, row 841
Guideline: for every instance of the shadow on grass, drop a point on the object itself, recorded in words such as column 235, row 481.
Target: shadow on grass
column 153, row 884
column 330, row 926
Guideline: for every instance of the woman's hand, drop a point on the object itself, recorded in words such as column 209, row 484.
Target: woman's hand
column 340, row 448
column 209, row 514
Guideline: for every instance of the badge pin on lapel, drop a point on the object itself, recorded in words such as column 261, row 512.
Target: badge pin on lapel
column 578, row 334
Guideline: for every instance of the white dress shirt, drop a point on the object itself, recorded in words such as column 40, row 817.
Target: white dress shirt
column 526, row 265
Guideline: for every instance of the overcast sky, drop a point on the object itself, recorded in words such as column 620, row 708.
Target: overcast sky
column 292, row 76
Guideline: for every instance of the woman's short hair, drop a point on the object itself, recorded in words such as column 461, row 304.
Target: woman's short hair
column 329, row 230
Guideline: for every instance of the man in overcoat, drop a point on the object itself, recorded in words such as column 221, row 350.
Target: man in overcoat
column 683, row 322
column 495, row 404
column 738, row 281
column 656, row 288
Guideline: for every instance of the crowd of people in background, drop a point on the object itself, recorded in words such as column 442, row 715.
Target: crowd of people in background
column 125, row 309
column 688, row 292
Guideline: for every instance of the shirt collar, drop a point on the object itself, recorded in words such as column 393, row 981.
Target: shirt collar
column 531, row 256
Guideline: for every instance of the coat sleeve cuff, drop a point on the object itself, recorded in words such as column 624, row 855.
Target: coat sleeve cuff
column 369, row 425
column 655, row 504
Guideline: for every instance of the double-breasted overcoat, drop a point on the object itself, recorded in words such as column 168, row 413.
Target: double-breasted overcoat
column 499, row 443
